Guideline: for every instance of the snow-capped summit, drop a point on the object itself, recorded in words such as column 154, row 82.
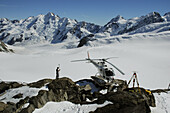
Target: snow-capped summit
column 116, row 19
column 114, row 25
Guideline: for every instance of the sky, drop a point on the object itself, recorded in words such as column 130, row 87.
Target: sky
column 94, row 11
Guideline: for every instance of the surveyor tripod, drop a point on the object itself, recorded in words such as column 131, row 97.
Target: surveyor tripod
column 135, row 79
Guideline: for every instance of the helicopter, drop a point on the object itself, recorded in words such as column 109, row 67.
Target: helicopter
column 104, row 72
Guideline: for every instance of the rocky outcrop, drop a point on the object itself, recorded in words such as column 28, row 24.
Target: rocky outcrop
column 40, row 83
column 4, row 47
column 124, row 100
column 63, row 89
column 2, row 106
column 85, row 39
column 7, row 108
column 8, row 85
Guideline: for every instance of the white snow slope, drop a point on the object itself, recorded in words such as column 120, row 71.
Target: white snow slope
column 147, row 54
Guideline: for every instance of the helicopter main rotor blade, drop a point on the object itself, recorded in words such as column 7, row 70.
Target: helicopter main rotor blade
column 104, row 59
column 110, row 58
column 115, row 67
column 79, row 60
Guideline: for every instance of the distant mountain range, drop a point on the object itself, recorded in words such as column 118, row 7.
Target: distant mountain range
column 53, row 29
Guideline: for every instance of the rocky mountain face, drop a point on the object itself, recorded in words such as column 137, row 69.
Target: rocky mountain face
column 42, row 28
column 119, row 25
column 53, row 29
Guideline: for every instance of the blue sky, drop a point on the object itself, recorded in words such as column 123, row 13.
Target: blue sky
column 95, row 11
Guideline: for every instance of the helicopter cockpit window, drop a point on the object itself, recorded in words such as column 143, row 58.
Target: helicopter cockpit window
column 108, row 72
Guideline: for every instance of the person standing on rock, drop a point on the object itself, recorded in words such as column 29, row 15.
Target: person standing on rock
column 57, row 72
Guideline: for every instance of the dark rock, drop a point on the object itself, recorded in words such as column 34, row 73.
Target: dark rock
column 85, row 39
column 40, row 100
column 116, row 108
column 15, row 21
column 40, row 83
column 123, row 102
column 18, row 96
column 11, row 42
column 4, row 47
column 2, row 106
column 118, row 85
column 19, row 39
column 4, row 35
column 97, row 94
column 10, row 108
column 29, row 109
column 2, row 30
column 26, row 38
column 65, row 89
column 22, row 102
column 89, row 26
column 5, row 86
column 160, row 91
column 146, row 94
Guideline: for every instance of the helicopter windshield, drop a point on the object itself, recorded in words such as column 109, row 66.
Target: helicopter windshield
column 109, row 72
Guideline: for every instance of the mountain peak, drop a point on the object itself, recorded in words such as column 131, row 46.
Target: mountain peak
column 50, row 14
column 117, row 18
column 153, row 14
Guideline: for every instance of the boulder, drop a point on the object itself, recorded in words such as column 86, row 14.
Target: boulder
column 146, row 94
column 123, row 102
column 65, row 90
column 8, row 85
column 9, row 108
column 2, row 106
column 117, row 84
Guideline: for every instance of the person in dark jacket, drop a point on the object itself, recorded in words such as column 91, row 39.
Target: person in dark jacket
column 57, row 72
